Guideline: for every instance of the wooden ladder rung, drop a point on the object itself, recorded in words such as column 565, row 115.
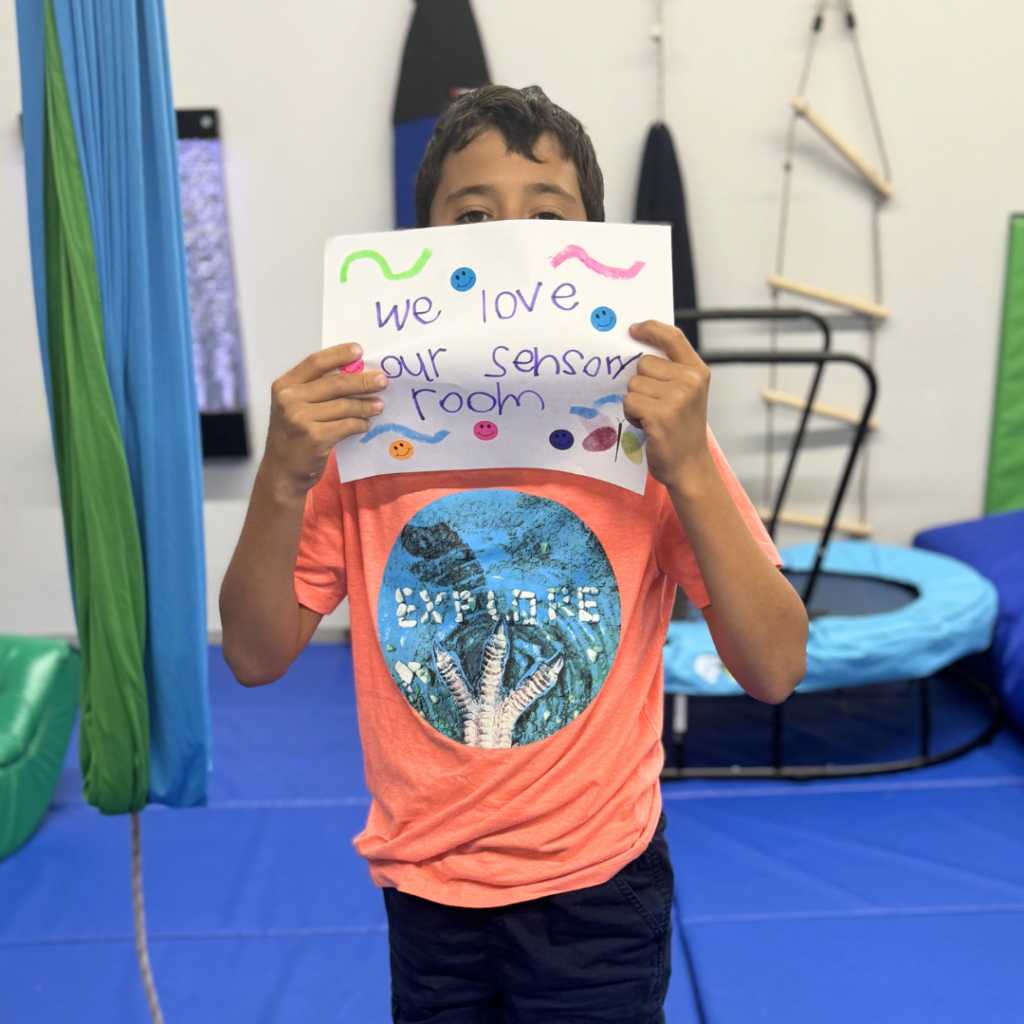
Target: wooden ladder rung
column 818, row 408
column 852, row 529
column 873, row 177
column 811, row 291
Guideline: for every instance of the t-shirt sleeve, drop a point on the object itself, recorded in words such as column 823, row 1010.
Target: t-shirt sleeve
column 674, row 554
column 320, row 582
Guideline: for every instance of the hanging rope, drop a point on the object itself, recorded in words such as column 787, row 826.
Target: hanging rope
column 817, row 23
column 862, row 71
column 780, row 246
column 139, row 908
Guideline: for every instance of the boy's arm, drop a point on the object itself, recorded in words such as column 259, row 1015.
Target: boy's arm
column 756, row 618
column 265, row 627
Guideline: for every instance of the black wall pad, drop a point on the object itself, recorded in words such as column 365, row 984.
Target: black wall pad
column 224, row 434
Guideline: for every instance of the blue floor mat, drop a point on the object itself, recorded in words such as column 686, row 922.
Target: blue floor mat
column 892, row 899
column 965, row 969
column 898, row 898
column 259, row 909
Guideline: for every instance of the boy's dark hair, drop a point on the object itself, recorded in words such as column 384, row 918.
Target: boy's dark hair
column 522, row 116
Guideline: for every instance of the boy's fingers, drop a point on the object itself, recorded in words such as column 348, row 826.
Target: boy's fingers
column 648, row 386
column 638, row 407
column 669, row 339
column 338, row 430
column 316, row 364
column 658, row 368
column 342, row 385
column 346, row 408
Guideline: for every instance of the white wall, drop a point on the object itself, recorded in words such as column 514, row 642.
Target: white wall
column 305, row 92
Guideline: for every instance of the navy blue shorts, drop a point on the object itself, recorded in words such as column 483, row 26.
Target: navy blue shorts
column 589, row 956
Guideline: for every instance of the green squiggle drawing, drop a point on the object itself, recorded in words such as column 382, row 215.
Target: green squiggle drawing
column 385, row 269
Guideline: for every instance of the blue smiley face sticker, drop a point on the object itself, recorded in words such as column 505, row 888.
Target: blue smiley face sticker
column 603, row 318
column 463, row 279
column 561, row 439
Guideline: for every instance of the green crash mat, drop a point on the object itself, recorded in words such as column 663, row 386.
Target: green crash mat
column 38, row 700
column 1006, row 457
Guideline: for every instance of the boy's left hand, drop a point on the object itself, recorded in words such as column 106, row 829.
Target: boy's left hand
column 668, row 400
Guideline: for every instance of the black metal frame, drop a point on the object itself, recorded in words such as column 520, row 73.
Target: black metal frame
column 802, row 773
column 819, row 359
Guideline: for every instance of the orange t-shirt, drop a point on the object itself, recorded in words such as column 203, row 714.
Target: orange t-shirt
column 507, row 629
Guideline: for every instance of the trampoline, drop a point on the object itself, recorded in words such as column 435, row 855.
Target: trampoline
column 879, row 613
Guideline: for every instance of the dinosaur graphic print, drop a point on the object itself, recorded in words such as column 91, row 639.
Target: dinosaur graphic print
column 498, row 617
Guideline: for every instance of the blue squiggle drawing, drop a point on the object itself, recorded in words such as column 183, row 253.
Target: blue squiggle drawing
column 587, row 413
column 397, row 428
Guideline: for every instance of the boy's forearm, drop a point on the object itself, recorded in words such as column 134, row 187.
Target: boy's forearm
column 756, row 618
column 259, row 611
column 312, row 408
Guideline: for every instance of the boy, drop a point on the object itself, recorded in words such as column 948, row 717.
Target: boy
column 525, row 873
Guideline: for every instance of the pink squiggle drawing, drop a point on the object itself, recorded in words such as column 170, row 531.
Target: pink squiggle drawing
column 577, row 252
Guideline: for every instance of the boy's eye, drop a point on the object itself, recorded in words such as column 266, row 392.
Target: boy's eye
column 548, row 215
column 472, row 217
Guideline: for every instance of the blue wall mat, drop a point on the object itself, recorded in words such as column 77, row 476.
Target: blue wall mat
column 995, row 547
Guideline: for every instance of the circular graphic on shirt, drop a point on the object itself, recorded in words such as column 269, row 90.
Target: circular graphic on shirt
column 498, row 616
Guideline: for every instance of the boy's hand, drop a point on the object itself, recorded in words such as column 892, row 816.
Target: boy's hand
column 668, row 400
column 310, row 413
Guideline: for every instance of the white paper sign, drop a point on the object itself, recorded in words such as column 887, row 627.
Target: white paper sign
column 506, row 344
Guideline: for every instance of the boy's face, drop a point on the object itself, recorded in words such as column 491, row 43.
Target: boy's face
column 486, row 182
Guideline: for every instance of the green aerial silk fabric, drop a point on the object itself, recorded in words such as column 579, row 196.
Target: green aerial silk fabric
column 100, row 524
column 1006, row 456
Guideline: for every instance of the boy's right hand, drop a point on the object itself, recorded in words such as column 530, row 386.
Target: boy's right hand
column 312, row 409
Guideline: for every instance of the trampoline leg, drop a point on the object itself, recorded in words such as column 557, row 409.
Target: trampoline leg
column 926, row 716
column 680, row 723
column 777, row 736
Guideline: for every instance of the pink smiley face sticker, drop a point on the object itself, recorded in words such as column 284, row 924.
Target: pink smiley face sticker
column 485, row 430
column 356, row 367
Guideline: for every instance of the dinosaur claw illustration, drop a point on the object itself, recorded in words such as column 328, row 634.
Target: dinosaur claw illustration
column 488, row 718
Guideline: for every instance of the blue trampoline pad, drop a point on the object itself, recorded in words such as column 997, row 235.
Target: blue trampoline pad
column 953, row 616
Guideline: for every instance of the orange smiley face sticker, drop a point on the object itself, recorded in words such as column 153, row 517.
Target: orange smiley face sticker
column 400, row 449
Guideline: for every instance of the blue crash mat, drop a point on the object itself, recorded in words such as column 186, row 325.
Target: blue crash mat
column 953, row 616
column 995, row 547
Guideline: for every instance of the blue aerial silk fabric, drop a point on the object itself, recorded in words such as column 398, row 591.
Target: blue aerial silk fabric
column 33, row 99
column 118, row 80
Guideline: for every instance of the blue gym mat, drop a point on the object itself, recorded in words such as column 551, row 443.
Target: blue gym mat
column 890, row 899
